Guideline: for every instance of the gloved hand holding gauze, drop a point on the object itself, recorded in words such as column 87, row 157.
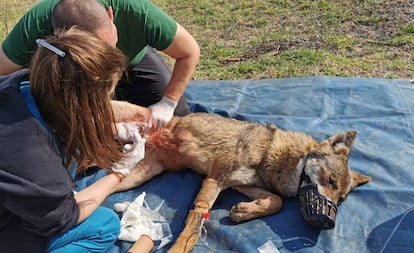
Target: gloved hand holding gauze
column 134, row 151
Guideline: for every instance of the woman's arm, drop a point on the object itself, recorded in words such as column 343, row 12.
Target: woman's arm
column 92, row 196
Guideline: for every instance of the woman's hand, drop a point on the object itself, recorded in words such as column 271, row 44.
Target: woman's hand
column 134, row 149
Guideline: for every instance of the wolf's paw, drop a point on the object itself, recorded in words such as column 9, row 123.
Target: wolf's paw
column 245, row 211
column 257, row 208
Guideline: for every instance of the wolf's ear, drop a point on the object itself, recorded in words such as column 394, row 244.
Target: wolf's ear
column 359, row 179
column 342, row 142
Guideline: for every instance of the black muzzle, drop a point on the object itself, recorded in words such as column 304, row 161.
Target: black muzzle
column 317, row 210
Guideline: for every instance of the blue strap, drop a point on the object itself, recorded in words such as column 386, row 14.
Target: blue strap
column 31, row 104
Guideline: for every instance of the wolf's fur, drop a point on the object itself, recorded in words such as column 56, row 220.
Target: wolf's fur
column 260, row 161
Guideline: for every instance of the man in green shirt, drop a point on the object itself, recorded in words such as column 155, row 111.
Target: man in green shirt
column 137, row 27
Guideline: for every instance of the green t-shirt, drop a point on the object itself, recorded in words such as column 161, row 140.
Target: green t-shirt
column 139, row 22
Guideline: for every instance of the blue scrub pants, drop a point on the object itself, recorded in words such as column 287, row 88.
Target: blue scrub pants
column 95, row 234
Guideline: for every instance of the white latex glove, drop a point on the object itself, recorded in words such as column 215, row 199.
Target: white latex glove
column 129, row 131
column 162, row 112
column 134, row 152
column 138, row 220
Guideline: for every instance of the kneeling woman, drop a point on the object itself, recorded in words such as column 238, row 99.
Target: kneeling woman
column 64, row 119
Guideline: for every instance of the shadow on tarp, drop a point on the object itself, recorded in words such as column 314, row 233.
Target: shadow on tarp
column 395, row 235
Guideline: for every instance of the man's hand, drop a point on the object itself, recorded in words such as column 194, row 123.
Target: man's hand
column 162, row 112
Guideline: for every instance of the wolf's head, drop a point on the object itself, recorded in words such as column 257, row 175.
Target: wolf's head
column 326, row 179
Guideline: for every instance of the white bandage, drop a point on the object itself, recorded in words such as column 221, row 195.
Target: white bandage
column 138, row 220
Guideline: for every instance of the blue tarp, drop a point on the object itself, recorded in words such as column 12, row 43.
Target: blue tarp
column 376, row 217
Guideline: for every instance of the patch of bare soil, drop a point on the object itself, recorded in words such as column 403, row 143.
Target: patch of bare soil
column 370, row 24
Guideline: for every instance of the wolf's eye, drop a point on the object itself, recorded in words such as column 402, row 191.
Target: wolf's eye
column 332, row 183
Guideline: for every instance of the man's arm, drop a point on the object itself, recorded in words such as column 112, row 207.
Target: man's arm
column 185, row 50
column 6, row 65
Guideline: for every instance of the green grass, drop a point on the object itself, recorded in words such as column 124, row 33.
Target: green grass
column 409, row 28
column 241, row 39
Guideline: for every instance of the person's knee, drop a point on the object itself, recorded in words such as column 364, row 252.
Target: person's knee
column 182, row 108
column 95, row 234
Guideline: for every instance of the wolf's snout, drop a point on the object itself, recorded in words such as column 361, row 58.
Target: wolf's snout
column 317, row 210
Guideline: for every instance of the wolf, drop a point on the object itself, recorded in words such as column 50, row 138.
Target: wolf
column 261, row 161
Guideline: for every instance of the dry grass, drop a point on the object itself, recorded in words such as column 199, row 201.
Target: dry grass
column 10, row 12
column 268, row 38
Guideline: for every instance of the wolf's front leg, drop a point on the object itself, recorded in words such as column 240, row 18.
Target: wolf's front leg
column 203, row 203
column 264, row 203
column 127, row 112
column 144, row 171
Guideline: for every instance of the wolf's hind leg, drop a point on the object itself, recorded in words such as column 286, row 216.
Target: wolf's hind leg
column 264, row 203
column 202, row 205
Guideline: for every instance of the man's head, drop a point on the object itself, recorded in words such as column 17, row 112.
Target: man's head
column 86, row 14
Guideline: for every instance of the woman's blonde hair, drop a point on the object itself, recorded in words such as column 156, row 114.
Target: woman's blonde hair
column 73, row 95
